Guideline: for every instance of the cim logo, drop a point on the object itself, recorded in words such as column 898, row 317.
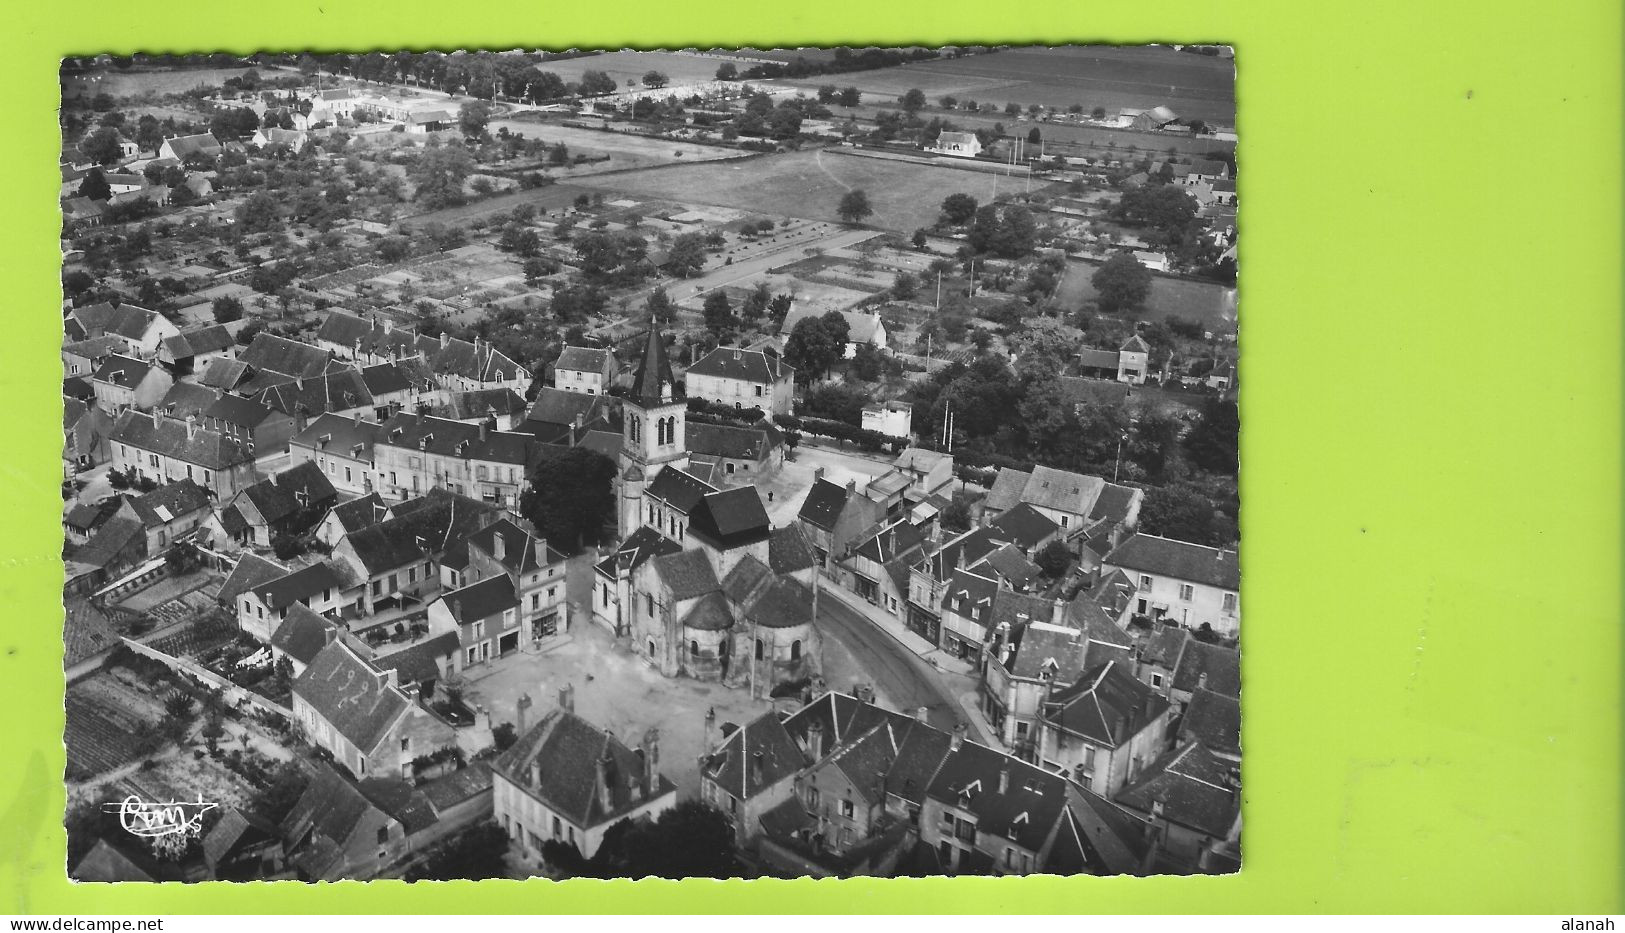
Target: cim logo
column 153, row 820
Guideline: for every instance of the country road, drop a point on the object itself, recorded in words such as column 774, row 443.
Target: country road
column 901, row 676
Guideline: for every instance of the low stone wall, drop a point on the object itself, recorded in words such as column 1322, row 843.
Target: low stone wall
column 233, row 693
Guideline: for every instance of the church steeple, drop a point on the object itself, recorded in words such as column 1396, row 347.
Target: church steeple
column 652, row 382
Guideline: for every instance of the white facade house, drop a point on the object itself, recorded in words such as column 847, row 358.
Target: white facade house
column 1189, row 584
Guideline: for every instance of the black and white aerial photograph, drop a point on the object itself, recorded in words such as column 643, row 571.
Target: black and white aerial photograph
column 729, row 463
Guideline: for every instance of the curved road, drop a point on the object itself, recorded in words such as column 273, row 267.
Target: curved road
column 900, row 673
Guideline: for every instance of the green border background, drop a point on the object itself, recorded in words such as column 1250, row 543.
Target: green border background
column 1431, row 445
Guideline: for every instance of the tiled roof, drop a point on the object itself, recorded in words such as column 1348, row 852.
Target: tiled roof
column 211, row 338
column 1193, row 787
column 652, row 377
column 285, row 591
column 783, row 603
column 355, row 698
column 709, row 614
column 1024, row 526
column 1221, row 665
column 188, row 398
column 558, row 407
column 304, row 633
column 342, row 390
column 1042, row 649
column 86, row 632
column 641, row 545
column 237, row 411
column 339, row 435
column 582, row 359
column 439, row 519
column 730, row 518
column 687, row 573
column 169, row 502
column 1107, row 706
column 755, row 366
column 171, row 438
column 678, row 489
column 482, row 600
column 1214, row 720
column 730, row 441
column 482, row 403
column 729, row 767
column 251, row 572
column 224, row 374
column 562, row 752
column 788, row 550
column 420, row 662
column 302, row 486
column 971, row 596
column 823, row 504
column 360, row 513
column 1062, row 490
column 459, row 439
column 201, row 143
column 123, row 371
column 281, row 355
column 1180, row 560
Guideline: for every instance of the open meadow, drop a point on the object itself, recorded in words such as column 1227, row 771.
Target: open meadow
column 135, row 83
column 905, row 196
column 1197, row 86
column 628, row 67
column 1209, row 302
column 625, row 150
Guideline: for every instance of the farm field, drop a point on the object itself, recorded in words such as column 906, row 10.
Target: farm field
column 905, row 196
column 629, row 66
column 1095, row 76
column 1209, row 302
column 135, row 83
column 625, row 150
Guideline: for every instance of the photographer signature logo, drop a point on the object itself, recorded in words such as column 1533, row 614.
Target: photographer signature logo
column 152, row 819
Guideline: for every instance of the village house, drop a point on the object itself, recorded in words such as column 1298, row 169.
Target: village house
column 503, row 409
column 744, row 379
column 340, row 447
column 892, row 418
column 357, row 713
column 1128, row 364
column 1103, row 729
column 567, row 781
column 1191, row 800
column 735, row 452
column 85, row 429
column 876, row 568
column 457, row 365
column 962, row 145
column 83, row 357
column 1177, row 664
column 1214, row 720
column 612, row 577
column 918, row 482
column 416, row 453
column 1076, row 502
column 123, row 383
column 191, row 350
column 347, row 518
column 302, row 635
column 140, row 330
column 169, row 513
column 402, row 385
column 320, row 587
column 200, row 145
column 340, row 391
column 285, row 503
column 503, row 588
column 833, row 516
column 584, row 369
column 166, row 450
column 558, row 416
column 1192, row 585
column 260, row 428
column 1030, row 651
column 862, row 327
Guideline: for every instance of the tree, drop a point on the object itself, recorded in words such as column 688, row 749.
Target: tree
column 571, row 497
column 149, row 133
column 659, row 306
column 1005, row 230
column 1034, row 136
column 438, row 176
column 473, row 117
column 811, row 348
column 719, row 315
column 920, row 238
column 849, row 97
column 956, row 516
column 1053, row 558
column 94, row 186
column 1099, row 113
column 471, row 855
column 905, row 286
column 1213, row 441
column 595, row 83
column 655, row 79
column 727, row 71
column 1121, row 283
column 503, row 735
column 102, row 145
column 1184, row 512
column 227, row 309
column 691, row 840
column 912, row 101
column 854, row 206
column 948, row 101
column 958, row 208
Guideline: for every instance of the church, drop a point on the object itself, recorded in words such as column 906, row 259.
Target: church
column 701, row 584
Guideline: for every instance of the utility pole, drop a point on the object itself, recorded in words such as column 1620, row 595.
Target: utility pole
column 939, row 290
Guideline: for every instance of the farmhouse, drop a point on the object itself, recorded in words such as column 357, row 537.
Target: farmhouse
column 744, row 379
column 964, row 145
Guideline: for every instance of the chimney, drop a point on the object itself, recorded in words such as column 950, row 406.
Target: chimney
column 1057, row 614
column 445, row 340
column 815, row 740
column 358, row 419
column 271, row 478
column 710, row 726
column 389, row 324
column 499, row 546
column 1004, row 778
column 864, row 693
column 1201, row 680
column 522, row 713
column 606, row 777
column 567, row 698
column 485, row 429
column 818, row 474
column 920, row 714
column 651, row 761
column 958, row 738
column 191, row 426
column 155, row 417
column 755, row 771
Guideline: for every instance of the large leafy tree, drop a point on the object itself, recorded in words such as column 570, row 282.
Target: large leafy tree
column 473, row 117
column 1213, row 442
column 471, row 855
column 854, row 206
column 1121, row 283
column 102, row 145
column 691, row 840
column 719, row 315
column 958, row 208
column 811, row 349
column 571, row 498
column 1004, row 230
column 687, row 254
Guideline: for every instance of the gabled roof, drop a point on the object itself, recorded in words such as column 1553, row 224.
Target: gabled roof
column 1025, row 811
column 763, row 740
column 117, row 538
column 201, row 143
column 1040, row 650
column 224, row 374
column 338, row 434
column 237, row 411
column 1062, row 490
column 360, row 513
column 687, row 573
column 169, row 502
column 281, row 355
column 420, row 662
column 1024, row 526
column 354, row 697
column 459, row 439
column 323, row 820
column 970, row 595
column 823, row 504
column 86, row 631
column 188, row 398
column 745, row 578
column 439, row 520
column 1107, row 706
column 304, row 633
column 340, row 390
column 1135, row 344
column 730, row 441
column 251, row 571
column 583, row 359
column 1181, row 560
column 522, row 552
column 482, row 403
column 210, row 338
column 1220, row 665
column 285, row 591
column 789, row 551
column 559, row 407
column 477, row 601
column 235, row 829
column 301, row 486
column 1193, row 787
column 1214, row 720
column 754, row 366
column 730, row 518
column 126, row 372
column 640, row 546
column 171, row 438
column 678, row 489
column 557, row 762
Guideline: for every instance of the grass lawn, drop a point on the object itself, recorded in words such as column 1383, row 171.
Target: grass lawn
column 135, row 83
column 905, row 196
column 1094, row 76
column 1212, row 304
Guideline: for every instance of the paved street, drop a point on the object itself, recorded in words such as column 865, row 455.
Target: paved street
column 903, row 680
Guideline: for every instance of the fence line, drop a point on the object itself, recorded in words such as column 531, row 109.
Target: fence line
column 233, row 693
